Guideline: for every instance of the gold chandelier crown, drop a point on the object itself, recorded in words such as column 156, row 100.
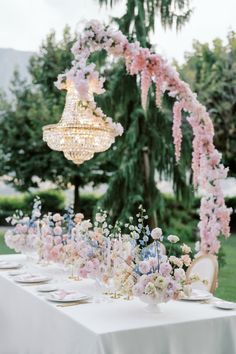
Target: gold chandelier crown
column 82, row 131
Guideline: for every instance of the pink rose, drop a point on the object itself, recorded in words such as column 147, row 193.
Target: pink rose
column 144, row 267
column 96, row 263
column 179, row 274
column 57, row 230
column 57, row 240
column 165, row 269
column 89, row 266
column 153, row 262
column 185, row 249
column 83, row 273
column 186, row 260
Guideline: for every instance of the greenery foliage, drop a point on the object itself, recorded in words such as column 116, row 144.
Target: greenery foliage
column 211, row 72
column 52, row 201
column 172, row 13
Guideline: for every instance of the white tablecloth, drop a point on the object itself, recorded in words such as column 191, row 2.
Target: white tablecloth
column 29, row 324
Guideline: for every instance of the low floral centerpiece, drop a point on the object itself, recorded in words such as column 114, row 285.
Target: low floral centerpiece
column 147, row 272
column 125, row 259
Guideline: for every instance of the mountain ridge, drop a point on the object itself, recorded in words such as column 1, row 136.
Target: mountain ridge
column 10, row 60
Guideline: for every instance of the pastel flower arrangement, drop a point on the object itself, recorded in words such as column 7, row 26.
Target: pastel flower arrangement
column 127, row 258
column 24, row 235
column 208, row 171
column 148, row 273
column 99, row 249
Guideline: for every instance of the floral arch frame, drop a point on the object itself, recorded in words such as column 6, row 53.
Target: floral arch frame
column 208, row 171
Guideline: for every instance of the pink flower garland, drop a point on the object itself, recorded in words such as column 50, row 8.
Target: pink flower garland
column 176, row 129
column 146, row 81
column 207, row 169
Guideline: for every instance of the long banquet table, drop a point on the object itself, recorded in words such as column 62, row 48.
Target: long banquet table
column 29, row 324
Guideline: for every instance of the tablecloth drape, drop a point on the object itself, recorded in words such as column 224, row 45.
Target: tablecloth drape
column 31, row 325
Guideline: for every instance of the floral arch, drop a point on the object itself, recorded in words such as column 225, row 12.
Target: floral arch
column 208, row 171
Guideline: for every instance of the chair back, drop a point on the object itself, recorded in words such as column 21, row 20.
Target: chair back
column 206, row 267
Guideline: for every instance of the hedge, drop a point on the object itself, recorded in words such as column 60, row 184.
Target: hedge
column 52, row 200
column 177, row 219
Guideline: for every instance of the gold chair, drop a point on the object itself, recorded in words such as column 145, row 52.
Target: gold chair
column 206, row 266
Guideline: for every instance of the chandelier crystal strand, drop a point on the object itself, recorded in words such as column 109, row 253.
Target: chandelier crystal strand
column 82, row 130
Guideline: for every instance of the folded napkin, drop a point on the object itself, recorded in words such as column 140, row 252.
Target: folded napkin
column 67, row 295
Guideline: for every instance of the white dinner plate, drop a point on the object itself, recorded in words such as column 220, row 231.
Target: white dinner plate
column 16, row 272
column 198, row 295
column 225, row 305
column 31, row 278
column 9, row 265
column 66, row 296
column 47, row 288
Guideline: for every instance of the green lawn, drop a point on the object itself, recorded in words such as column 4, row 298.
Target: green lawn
column 227, row 274
column 3, row 248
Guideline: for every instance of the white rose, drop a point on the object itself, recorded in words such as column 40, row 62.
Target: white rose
column 37, row 213
column 156, row 233
column 160, row 282
column 173, row 238
column 150, row 289
column 57, row 217
column 100, row 218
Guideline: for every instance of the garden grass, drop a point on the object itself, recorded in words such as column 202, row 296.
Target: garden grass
column 3, row 248
column 227, row 274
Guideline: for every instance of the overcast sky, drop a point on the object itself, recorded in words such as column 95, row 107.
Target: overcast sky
column 25, row 23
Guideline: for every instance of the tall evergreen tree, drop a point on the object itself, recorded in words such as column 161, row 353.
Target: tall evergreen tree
column 146, row 149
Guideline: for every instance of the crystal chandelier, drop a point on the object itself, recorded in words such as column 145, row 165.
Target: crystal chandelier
column 81, row 132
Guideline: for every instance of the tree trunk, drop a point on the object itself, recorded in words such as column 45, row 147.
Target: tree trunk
column 76, row 196
column 147, row 181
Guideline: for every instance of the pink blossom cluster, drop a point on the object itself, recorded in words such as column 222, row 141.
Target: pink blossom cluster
column 206, row 166
column 24, row 237
column 53, row 238
column 62, row 239
column 91, row 255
